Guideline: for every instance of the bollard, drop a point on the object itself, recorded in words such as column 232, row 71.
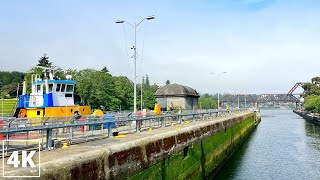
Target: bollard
column 49, row 139
column 109, row 130
column 65, row 145
column 202, row 117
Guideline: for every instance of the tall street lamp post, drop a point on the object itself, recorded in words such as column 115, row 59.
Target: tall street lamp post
column 218, row 87
column 134, row 47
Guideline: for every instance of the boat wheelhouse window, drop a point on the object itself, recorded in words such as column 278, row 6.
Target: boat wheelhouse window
column 58, row 88
column 38, row 88
column 69, row 88
column 68, row 95
column 63, row 87
column 50, row 87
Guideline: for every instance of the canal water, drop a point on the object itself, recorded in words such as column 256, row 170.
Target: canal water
column 283, row 146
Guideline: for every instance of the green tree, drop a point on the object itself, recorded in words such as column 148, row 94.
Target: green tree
column 44, row 61
column 206, row 101
column 315, row 81
column 105, row 69
column 11, row 89
column 312, row 95
column 310, row 89
column 167, row 82
column 10, row 77
column 147, row 80
column 124, row 92
column 148, row 99
column 9, row 82
column 312, row 104
column 97, row 89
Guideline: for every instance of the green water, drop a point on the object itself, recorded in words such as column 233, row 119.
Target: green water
column 284, row 146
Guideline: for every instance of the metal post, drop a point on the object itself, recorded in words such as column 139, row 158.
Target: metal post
column 238, row 100
column 49, row 139
column 218, row 97
column 102, row 129
column 135, row 70
column 245, row 101
column 162, row 122
column 2, row 108
column 27, row 138
column 70, row 134
column 137, row 125
column 141, row 96
column 109, row 130
column 7, row 142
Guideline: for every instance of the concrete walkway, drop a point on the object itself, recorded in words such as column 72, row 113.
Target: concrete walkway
column 65, row 156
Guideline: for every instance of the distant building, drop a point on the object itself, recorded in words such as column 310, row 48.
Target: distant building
column 175, row 95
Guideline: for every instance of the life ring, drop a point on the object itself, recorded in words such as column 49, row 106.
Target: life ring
column 22, row 113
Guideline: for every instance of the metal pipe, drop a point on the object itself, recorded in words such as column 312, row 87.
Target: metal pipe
column 47, row 85
column 24, row 87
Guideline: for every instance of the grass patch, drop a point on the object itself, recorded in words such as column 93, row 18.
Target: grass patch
column 8, row 105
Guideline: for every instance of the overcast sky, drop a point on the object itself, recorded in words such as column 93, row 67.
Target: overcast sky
column 265, row 46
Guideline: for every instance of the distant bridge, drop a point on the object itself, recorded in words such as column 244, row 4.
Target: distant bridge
column 256, row 99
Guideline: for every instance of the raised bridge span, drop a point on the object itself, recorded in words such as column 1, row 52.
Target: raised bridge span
column 256, row 99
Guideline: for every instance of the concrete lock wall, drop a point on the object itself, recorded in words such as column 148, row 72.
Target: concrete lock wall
column 193, row 152
column 196, row 154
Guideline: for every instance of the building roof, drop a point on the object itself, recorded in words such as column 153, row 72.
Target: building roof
column 64, row 81
column 176, row 90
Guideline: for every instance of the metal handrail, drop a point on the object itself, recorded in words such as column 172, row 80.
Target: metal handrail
column 88, row 121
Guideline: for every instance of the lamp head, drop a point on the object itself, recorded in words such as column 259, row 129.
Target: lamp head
column 119, row 21
column 150, row 17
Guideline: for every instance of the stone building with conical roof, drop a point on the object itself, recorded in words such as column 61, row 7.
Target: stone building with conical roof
column 176, row 95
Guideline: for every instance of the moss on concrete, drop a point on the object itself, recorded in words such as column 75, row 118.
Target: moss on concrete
column 201, row 159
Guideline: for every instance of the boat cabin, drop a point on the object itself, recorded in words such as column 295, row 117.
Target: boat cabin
column 59, row 93
column 49, row 97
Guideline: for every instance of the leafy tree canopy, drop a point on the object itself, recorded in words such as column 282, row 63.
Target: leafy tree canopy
column 312, row 104
column 44, row 61
column 207, row 101
column 312, row 95
column 105, row 69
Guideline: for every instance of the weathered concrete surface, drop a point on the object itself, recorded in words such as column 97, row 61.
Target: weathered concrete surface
column 188, row 151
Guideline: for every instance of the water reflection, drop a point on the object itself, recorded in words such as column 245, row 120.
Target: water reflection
column 284, row 146
column 313, row 132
